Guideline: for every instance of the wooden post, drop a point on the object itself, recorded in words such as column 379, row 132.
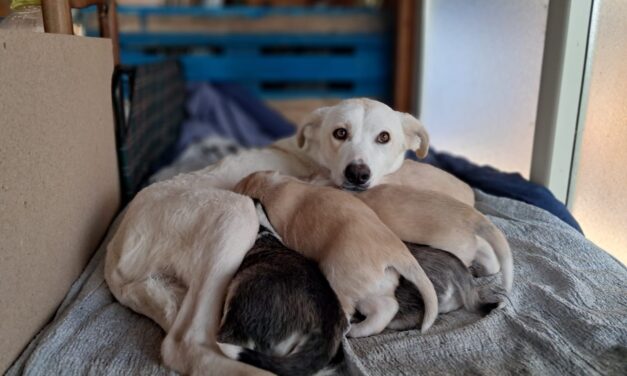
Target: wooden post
column 405, row 54
column 58, row 19
column 57, row 16
column 108, row 21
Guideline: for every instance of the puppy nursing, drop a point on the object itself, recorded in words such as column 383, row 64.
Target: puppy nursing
column 453, row 282
column 361, row 258
column 281, row 314
column 437, row 220
column 423, row 176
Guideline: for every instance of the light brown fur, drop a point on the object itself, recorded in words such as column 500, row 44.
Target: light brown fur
column 435, row 219
column 358, row 254
column 423, row 176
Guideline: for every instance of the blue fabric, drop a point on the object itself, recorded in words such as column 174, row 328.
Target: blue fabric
column 230, row 111
column 269, row 121
column 492, row 181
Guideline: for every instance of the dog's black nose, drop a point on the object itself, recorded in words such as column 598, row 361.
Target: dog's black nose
column 357, row 173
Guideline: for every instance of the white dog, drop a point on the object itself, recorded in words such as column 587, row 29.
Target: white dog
column 181, row 240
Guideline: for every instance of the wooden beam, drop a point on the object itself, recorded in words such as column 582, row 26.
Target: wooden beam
column 57, row 17
column 405, row 54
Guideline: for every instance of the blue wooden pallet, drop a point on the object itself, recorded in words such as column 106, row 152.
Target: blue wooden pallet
column 273, row 65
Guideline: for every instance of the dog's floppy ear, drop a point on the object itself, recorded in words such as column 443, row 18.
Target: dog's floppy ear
column 311, row 121
column 416, row 136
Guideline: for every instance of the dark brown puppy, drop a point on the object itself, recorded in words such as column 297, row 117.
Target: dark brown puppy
column 281, row 314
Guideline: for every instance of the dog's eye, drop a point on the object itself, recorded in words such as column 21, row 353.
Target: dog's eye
column 383, row 138
column 340, row 133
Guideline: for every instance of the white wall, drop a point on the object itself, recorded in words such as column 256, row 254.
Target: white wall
column 480, row 75
column 599, row 192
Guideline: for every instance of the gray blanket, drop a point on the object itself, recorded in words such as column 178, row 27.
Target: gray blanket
column 567, row 315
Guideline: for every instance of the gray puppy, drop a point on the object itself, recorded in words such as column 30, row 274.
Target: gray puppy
column 282, row 315
column 453, row 282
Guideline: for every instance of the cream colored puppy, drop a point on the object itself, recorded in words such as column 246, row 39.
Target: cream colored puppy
column 435, row 219
column 361, row 258
column 423, row 176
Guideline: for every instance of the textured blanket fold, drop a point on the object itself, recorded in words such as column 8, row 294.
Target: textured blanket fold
column 567, row 315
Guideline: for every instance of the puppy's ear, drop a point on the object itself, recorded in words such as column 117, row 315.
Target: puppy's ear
column 258, row 184
column 416, row 136
column 309, row 124
column 252, row 184
column 243, row 187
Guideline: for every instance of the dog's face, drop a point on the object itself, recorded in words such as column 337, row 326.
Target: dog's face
column 360, row 140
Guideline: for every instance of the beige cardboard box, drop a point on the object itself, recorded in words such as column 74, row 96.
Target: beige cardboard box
column 59, row 185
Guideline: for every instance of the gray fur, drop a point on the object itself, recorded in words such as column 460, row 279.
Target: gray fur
column 453, row 282
column 279, row 292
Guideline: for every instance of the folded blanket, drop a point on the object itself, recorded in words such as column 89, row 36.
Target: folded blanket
column 567, row 315
column 495, row 182
column 230, row 111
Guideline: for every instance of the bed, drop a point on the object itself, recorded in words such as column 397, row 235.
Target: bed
column 567, row 313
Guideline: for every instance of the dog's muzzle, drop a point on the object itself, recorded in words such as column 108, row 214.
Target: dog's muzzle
column 357, row 176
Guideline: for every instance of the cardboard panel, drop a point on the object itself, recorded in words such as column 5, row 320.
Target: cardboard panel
column 59, row 185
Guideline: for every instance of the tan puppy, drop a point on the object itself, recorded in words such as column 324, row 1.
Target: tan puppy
column 435, row 219
column 426, row 177
column 359, row 255
column 417, row 175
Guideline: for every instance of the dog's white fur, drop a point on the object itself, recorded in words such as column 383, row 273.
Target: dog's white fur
column 181, row 241
column 406, row 133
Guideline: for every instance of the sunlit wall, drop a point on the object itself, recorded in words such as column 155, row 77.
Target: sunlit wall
column 480, row 76
column 599, row 194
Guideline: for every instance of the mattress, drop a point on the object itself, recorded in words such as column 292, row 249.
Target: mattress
column 567, row 314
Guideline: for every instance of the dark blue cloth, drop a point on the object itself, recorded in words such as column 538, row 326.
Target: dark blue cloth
column 230, row 111
column 269, row 121
column 492, row 181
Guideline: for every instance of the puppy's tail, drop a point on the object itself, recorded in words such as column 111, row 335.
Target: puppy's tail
column 490, row 297
column 481, row 299
column 488, row 231
column 413, row 272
